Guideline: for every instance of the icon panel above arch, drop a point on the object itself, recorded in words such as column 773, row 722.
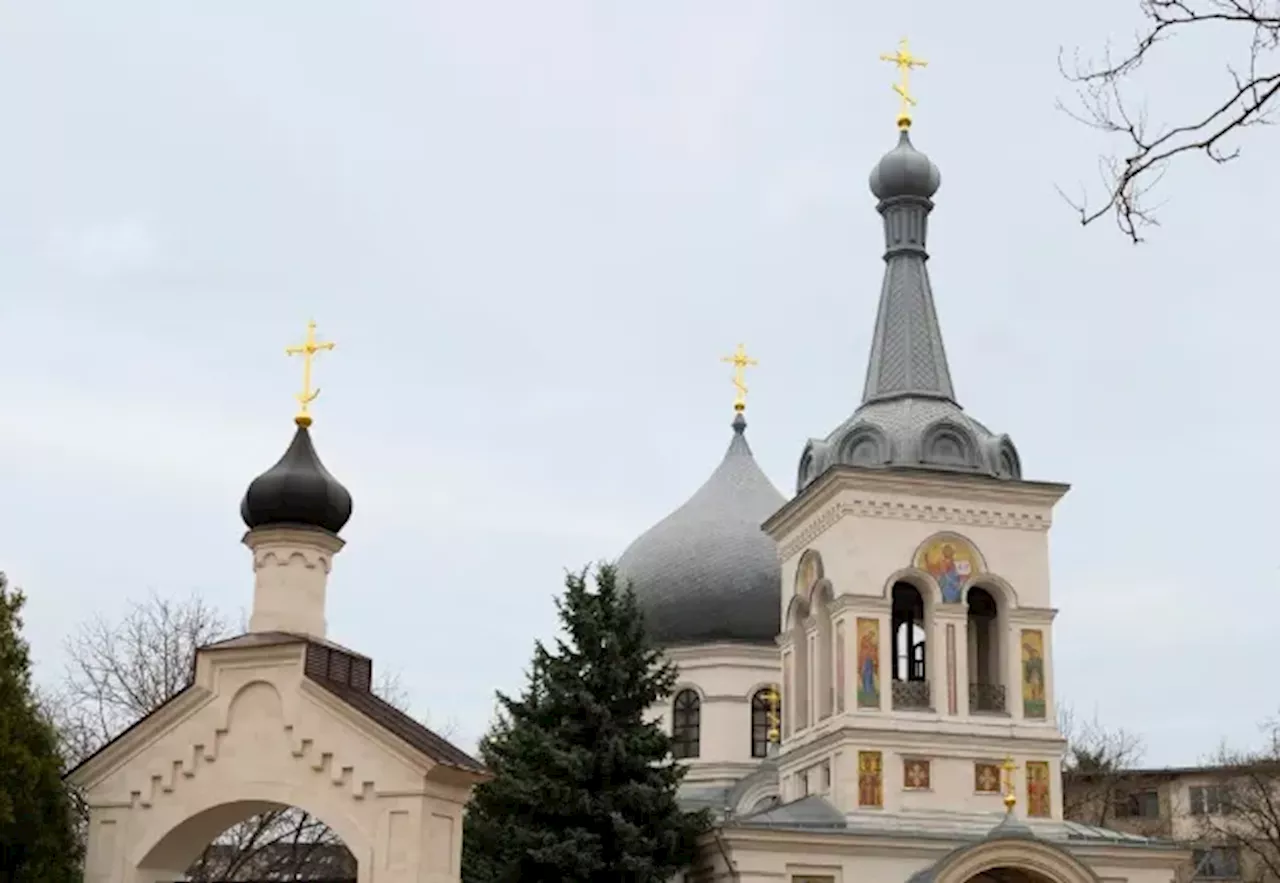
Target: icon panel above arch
column 951, row 560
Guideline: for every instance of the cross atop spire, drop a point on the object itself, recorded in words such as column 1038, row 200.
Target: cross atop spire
column 307, row 349
column 741, row 362
column 905, row 62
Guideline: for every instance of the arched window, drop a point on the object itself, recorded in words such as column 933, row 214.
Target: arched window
column 686, row 725
column 762, row 721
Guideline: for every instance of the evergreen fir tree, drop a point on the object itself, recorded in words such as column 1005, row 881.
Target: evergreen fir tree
column 37, row 835
column 584, row 786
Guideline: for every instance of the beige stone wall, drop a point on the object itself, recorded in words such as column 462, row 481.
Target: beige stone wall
column 254, row 734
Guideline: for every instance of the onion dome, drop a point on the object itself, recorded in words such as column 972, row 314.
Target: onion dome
column 905, row 171
column 909, row 416
column 708, row 572
column 297, row 491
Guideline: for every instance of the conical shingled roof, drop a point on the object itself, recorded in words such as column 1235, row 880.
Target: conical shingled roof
column 707, row 572
column 909, row 416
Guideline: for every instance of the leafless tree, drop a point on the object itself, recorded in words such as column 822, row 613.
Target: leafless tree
column 1248, row 97
column 1097, row 767
column 120, row 671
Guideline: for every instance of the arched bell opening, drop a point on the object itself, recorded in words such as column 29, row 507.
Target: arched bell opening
column 986, row 653
column 910, row 648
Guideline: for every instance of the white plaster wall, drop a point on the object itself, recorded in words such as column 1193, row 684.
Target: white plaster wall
column 725, row 676
column 868, row 528
column 784, row 856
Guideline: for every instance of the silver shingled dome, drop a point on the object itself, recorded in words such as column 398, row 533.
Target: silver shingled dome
column 707, row 572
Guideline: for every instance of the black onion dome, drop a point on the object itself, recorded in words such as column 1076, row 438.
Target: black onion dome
column 298, row 490
column 708, row 572
column 905, row 171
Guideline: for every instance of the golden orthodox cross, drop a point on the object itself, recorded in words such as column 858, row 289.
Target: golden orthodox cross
column 1010, row 789
column 740, row 361
column 772, row 716
column 307, row 349
column 904, row 61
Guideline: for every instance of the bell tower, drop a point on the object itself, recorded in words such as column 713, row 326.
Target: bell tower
column 916, row 618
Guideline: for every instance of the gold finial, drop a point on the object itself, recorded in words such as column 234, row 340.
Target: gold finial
column 740, row 361
column 774, row 702
column 905, row 61
column 307, row 349
column 1010, row 788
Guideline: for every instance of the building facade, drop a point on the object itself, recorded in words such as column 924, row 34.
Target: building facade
column 1228, row 816
column 900, row 604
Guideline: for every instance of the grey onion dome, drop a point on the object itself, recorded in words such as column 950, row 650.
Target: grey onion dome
column 297, row 491
column 708, row 572
column 909, row 416
column 905, row 171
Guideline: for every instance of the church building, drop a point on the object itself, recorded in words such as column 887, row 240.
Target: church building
column 899, row 605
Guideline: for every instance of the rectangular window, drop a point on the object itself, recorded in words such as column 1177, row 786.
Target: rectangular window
column 1216, row 863
column 1208, row 800
column 1139, row 805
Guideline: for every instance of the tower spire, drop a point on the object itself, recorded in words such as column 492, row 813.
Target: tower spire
column 907, row 356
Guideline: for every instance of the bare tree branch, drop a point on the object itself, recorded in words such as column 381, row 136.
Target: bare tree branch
column 1097, row 768
column 1249, row 97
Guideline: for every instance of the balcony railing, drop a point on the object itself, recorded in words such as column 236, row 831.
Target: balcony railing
column 987, row 698
column 911, row 694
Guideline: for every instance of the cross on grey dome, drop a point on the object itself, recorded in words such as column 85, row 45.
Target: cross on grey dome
column 708, row 572
column 909, row 416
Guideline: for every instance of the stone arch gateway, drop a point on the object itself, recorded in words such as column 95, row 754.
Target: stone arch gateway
column 280, row 717
column 256, row 731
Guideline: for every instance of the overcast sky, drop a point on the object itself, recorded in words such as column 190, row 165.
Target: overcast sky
column 533, row 229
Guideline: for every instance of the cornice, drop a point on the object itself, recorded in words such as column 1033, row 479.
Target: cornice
column 798, row 751
column 928, row 846
column 1033, row 615
column 861, row 604
column 987, row 503
column 726, row 650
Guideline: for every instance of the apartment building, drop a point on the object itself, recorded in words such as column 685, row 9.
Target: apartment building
column 1227, row 815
